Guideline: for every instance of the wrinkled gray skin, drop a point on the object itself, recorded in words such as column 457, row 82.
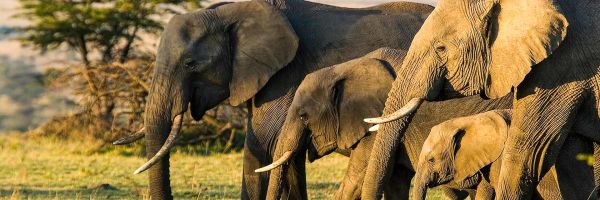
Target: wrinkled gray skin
column 328, row 109
column 546, row 51
column 258, row 52
column 465, row 153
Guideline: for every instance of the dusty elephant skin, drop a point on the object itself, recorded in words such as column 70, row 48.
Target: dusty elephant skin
column 328, row 109
column 543, row 50
column 257, row 52
column 464, row 153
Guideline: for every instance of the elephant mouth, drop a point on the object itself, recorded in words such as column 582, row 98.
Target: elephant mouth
column 204, row 96
column 197, row 106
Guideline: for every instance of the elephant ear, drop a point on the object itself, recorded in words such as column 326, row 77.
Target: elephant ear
column 263, row 42
column 521, row 34
column 480, row 142
column 362, row 86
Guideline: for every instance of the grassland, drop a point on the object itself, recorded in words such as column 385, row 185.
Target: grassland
column 43, row 168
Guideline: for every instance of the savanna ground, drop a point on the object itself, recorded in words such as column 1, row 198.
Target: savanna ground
column 46, row 168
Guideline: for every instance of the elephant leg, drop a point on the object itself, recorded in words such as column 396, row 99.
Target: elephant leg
column 351, row 185
column 597, row 164
column 254, row 185
column 264, row 123
column 575, row 177
column 398, row 187
column 548, row 187
column 541, row 123
column 485, row 191
column 454, row 194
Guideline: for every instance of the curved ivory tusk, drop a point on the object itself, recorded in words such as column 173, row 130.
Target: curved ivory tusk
column 164, row 150
column 131, row 138
column 410, row 107
column 374, row 128
column 284, row 158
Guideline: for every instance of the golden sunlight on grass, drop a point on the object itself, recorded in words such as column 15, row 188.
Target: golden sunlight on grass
column 42, row 168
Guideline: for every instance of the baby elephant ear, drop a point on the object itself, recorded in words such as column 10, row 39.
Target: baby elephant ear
column 521, row 34
column 362, row 85
column 480, row 143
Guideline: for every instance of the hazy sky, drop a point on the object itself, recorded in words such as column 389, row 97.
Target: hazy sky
column 358, row 3
column 13, row 49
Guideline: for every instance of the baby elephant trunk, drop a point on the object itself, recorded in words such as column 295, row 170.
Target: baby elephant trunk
column 420, row 187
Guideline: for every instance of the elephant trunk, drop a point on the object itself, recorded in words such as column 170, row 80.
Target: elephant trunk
column 167, row 101
column 418, row 83
column 419, row 188
column 288, row 144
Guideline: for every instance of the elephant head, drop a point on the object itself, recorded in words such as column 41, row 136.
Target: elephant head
column 465, row 47
column 328, row 108
column 204, row 58
column 459, row 148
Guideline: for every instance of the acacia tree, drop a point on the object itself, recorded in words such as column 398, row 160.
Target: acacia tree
column 101, row 32
column 109, row 27
column 111, row 80
column 105, row 27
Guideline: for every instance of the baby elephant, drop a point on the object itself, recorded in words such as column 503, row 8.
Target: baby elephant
column 465, row 153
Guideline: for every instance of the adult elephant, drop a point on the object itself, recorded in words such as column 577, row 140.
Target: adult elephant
column 546, row 51
column 257, row 52
column 328, row 109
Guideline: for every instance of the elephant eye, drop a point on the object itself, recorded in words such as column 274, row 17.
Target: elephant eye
column 430, row 160
column 304, row 118
column 189, row 63
column 440, row 48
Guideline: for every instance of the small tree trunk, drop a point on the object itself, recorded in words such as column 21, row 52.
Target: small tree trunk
column 83, row 53
column 130, row 40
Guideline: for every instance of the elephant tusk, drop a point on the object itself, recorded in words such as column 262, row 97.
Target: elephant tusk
column 410, row 107
column 374, row 128
column 164, row 150
column 131, row 138
column 284, row 158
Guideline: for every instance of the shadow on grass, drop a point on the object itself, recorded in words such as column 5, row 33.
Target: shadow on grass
column 204, row 191
column 41, row 193
column 323, row 185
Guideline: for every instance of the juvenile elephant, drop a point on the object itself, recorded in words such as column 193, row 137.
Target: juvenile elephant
column 465, row 153
column 547, row 52
column 256, row 52
column 326, row 115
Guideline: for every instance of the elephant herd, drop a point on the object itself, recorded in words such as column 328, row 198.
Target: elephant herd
column 481, row 98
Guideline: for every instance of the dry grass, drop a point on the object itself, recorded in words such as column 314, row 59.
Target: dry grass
column 43, row 168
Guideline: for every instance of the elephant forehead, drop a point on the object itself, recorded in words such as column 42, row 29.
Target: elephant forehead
column 430, row 142
column 308, row 99
column 317, row 76
column 440, row 136
column 313, row 87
